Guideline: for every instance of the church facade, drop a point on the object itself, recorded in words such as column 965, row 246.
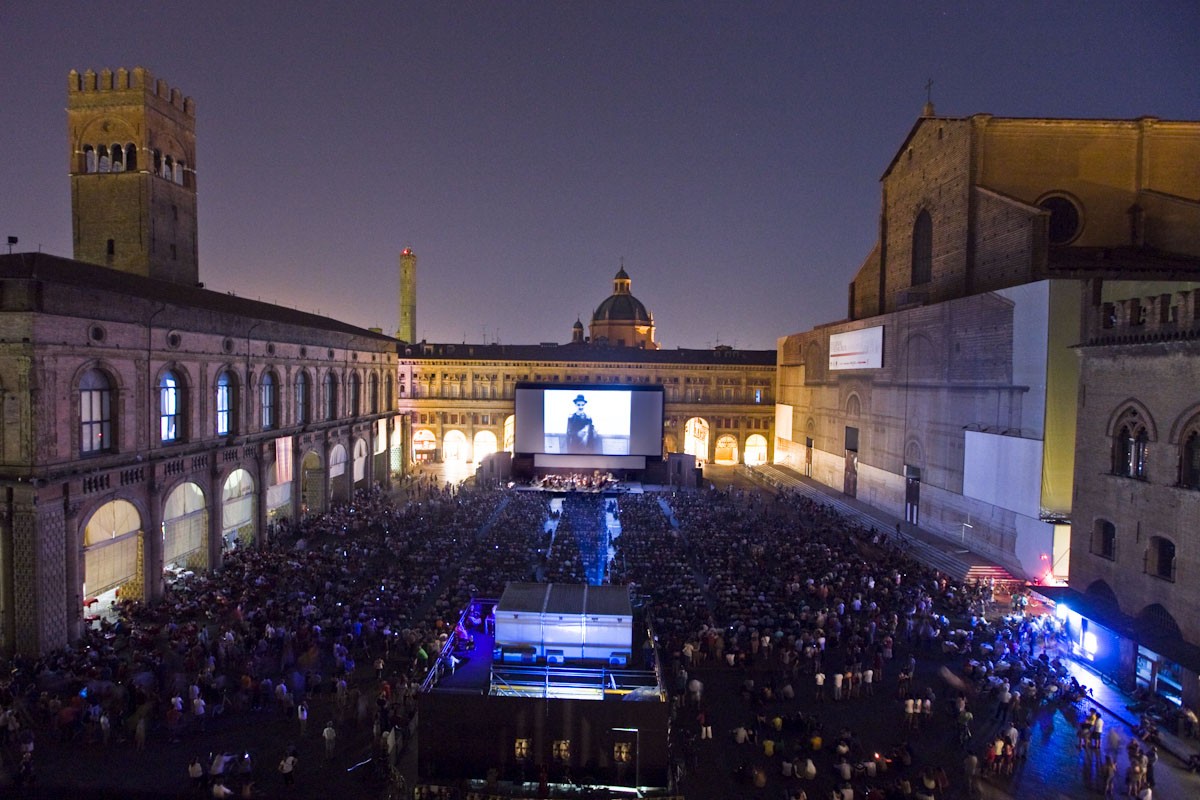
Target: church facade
column 949, row 394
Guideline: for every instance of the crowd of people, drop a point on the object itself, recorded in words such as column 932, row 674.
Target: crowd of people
column 347, row 612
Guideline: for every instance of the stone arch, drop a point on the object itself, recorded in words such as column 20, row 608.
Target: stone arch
column 483, row 445
column 914, row 454
column 360, row 463
column 339, row 479
column 696, row 434
column 90, row 412
column 227, row 392
column 239, row 509
column 312, row 484
column 185, row 527
column 455, row 446
column 1100, row 590
column 183, row 401
column 756, row 451
column 330, row 387
column 510, row 440
column 1127, row 408
column 424, row 445
column 373, row 392
column 354, row 383
column 726, row 450
column 853, row 406
column 113, row 553
column 1184, row 423
column 280, row 481
column 1158, row 620
column 920, row 357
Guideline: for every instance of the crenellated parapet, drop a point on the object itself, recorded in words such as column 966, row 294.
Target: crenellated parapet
column 1142, row 320
column 138, row 79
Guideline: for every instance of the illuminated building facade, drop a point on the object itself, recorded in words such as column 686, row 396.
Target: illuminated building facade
column 150, row 424
column 719, row 403
column 996, row 236
column 1135, row 557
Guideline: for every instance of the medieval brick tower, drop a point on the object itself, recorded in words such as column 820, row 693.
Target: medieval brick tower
column 133, row 174
column 407, row 331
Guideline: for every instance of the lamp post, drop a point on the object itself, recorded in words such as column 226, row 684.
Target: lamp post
column 637, row 758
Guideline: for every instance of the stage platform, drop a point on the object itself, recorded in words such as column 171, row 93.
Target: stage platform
column 582, row 719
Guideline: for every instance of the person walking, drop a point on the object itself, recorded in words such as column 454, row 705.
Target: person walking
column 302, row 717
column 287, row 767
column 330, row 737
column 1109, row 773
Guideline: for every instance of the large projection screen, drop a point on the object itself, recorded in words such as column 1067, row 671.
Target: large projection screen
column 584, row 424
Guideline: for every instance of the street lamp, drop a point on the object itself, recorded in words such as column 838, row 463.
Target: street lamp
column 637, row 758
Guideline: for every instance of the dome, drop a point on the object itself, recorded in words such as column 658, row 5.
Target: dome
column 621, row 305
column 621, row 308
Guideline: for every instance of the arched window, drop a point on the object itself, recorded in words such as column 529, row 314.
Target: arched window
column 118, row 158
column 1104, row 539
column 89, row 158
column 269, row 397
column 374, row 393
column 170, row 408
column 104, row 164
column 355, row 394
column 157, row 162
column 130, row 157
column 95, row 413
column 1189, row 458
column 303, row 399
column 331, row 398
column 226, row 400
column 168, row 167
column 1160, row 558
column 1130, row 446
column 922, row 249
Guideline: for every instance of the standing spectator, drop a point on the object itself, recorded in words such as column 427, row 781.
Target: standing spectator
column 330, row 737
column 287, row 767
column 302, row 717
column 195, row 772
column 199, row 707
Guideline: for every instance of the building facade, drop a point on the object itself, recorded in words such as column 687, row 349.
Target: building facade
column 1135, row 557
column 150, row 425
column 996, row 236
column 719, row 404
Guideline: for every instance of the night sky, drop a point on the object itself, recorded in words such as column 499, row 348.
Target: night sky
column 729, row 152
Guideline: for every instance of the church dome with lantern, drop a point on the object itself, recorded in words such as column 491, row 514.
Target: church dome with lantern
column 622, row 320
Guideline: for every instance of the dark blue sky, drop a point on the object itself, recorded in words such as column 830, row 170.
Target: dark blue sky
column 730, row 152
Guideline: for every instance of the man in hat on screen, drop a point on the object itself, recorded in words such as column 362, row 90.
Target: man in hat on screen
column 581, row 433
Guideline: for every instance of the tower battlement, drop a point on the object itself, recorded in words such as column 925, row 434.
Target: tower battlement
column 1139, row 320
column 138, row 79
